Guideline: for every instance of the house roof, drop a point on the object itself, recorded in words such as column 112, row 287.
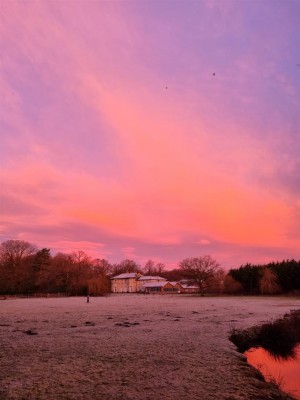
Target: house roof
column 154, row 284
column 189, row 286
column 126, row 275
column 151, row 278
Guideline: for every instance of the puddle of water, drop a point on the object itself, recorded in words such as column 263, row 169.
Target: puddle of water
column 286, row 373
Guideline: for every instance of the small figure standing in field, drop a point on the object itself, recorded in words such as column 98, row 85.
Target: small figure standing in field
column 88, row 299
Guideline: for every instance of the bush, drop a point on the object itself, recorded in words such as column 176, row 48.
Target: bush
column 279, row 338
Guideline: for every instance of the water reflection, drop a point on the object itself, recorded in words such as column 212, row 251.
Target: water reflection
column 284, row 372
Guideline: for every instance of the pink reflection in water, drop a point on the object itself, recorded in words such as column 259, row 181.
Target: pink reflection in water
column 284, row 372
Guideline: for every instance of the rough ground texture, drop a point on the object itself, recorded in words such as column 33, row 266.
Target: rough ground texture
column 132, row 347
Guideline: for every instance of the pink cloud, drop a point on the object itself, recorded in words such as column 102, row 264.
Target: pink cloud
column 203, row 194
column 95, row 138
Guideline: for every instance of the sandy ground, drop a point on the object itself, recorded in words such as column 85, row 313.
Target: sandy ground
column 131, row 347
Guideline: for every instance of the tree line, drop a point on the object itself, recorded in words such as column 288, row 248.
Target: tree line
column 25, row 269
column 272, row 278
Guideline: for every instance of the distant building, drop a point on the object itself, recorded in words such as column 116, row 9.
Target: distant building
column 160, row 287
column 125, row 283
column 146, row 279
column 133, row 282
column 187, row 288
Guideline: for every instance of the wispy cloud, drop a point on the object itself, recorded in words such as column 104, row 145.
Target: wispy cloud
column 127, row 126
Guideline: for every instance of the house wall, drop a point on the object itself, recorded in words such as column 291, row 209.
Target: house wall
column 169, row 288
column 133, row 285
column 190, row 290
column 127, row 285
column 179, row 287
column 182, row 289
column 142, row 282
column 153, row 290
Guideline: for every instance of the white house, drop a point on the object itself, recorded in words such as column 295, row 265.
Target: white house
column 144, row 280
column 160, row 287
column 133, row 282
column 125, row 283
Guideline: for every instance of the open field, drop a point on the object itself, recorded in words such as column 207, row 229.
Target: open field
column 131, row 347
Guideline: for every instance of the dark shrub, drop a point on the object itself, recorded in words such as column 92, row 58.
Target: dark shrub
column 279, row 338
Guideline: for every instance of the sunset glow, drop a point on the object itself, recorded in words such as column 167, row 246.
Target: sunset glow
column 163, row 130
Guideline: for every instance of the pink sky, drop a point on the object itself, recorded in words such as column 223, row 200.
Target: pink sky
column 141, row 129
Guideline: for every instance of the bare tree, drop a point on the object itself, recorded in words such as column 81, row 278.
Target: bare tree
column 15, row 265
column 200, row 270
column 126, row 266
column 216, row 283
column 13, row 252
column 160, row 268
column 80, row 258
column 269, row 283
column 58, row 276
column 99, row 282
column 231, row 285
column 101, row 267
column 80, row 272
column 151, row 268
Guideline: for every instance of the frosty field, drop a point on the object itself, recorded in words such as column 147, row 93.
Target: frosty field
column 131, row 347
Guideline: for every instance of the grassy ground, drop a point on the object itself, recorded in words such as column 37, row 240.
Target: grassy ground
column 132, row 347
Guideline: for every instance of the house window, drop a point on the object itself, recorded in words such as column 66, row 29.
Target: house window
column 154, row 289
